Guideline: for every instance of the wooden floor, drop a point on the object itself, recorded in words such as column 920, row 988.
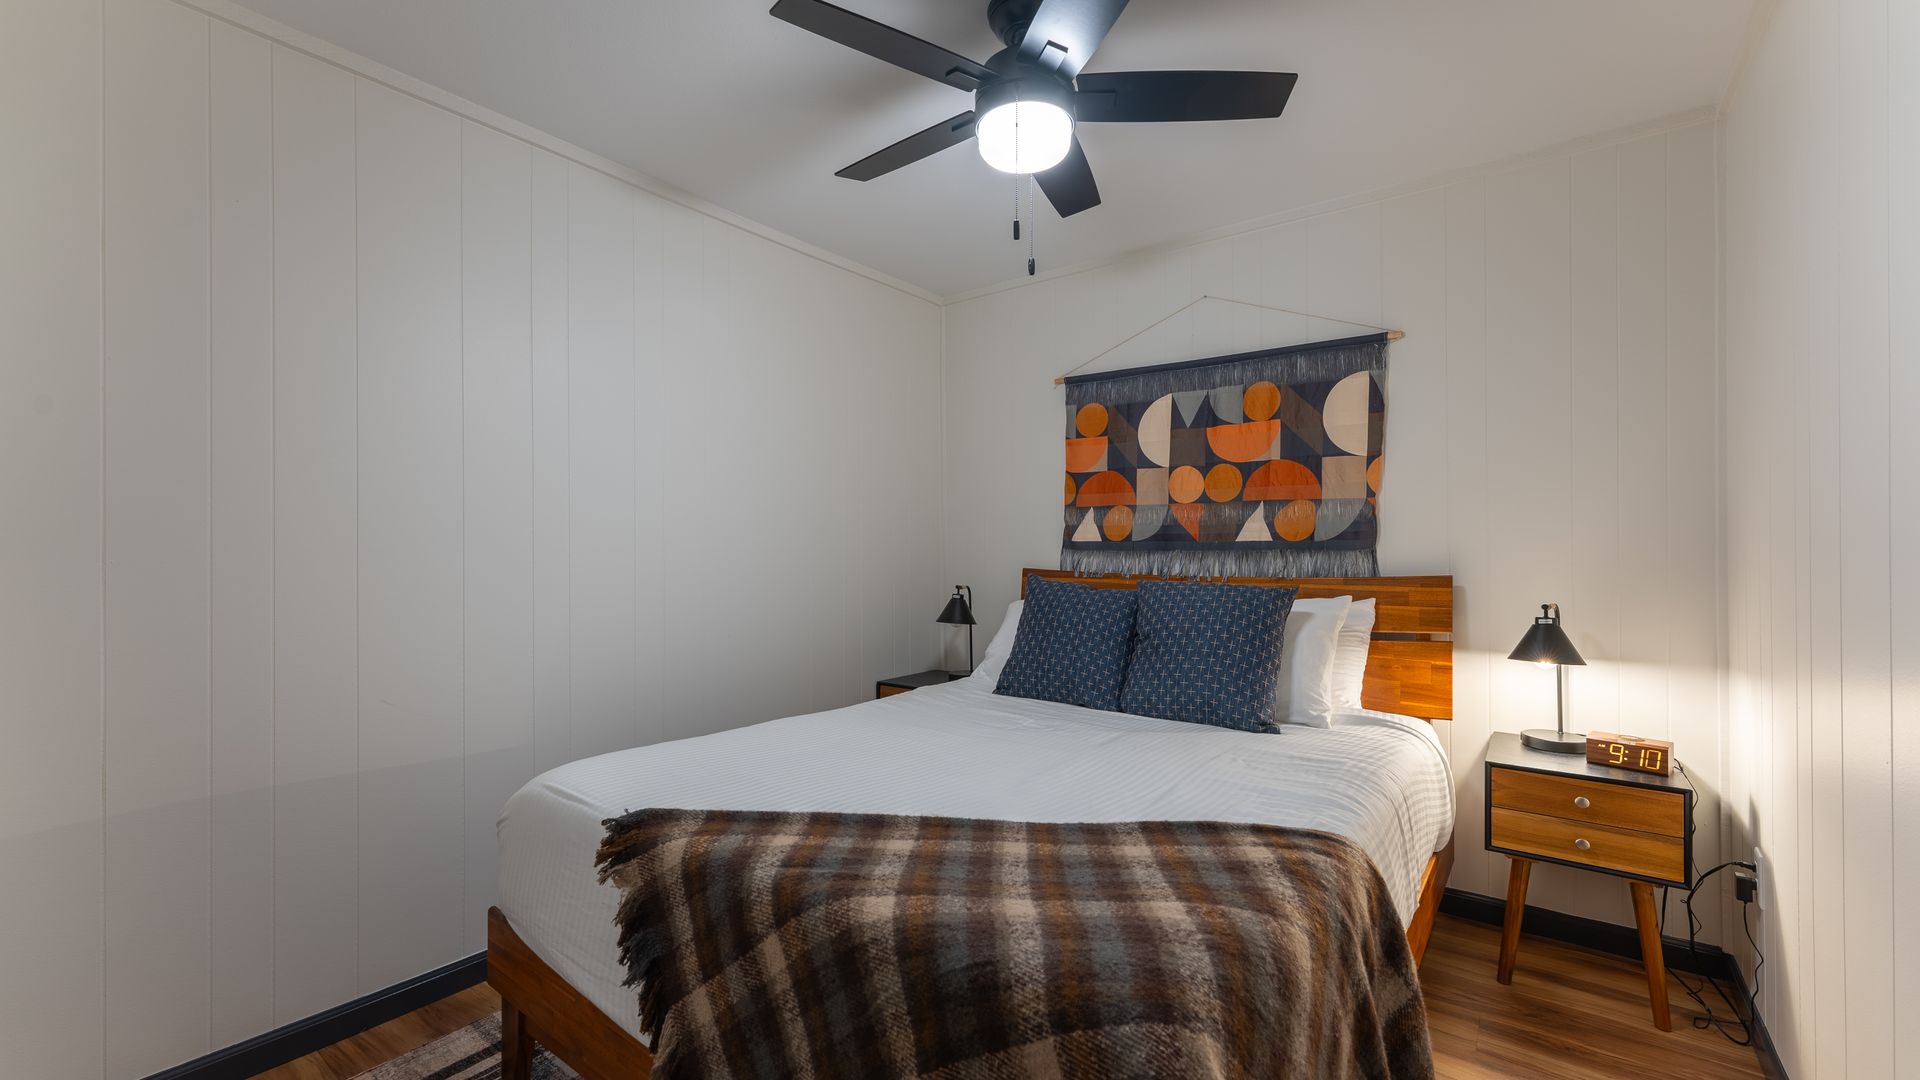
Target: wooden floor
column 391, row 1039
column 1570, row 1014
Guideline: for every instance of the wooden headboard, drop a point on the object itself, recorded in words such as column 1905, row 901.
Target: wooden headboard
column 1409, row 667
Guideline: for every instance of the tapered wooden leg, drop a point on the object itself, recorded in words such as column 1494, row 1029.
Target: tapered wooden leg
column 1652, row 956
column 516, row 1045
column 1516, row 909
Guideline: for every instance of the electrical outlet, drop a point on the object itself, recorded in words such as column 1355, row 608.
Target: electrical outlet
column 1762, row 878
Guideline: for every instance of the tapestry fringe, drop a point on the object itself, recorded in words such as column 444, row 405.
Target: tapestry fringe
column 1270, row 562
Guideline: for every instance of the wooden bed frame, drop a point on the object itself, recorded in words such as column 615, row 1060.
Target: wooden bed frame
column 1409, row 670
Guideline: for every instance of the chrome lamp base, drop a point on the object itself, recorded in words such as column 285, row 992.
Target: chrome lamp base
column 1554, row 742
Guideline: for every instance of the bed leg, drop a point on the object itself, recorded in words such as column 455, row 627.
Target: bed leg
column 516, row 1044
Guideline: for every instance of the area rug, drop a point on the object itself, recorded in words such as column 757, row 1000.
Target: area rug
column 472, row 1053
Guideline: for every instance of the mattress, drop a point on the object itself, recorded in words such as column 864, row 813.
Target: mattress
column 961, row 751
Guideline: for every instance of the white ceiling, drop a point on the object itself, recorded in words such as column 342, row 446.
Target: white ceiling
column 719, row 99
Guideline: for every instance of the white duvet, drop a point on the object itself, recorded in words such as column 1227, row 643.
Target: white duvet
column 961, row 751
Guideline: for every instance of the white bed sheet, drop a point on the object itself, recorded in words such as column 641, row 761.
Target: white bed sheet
column 960, row 751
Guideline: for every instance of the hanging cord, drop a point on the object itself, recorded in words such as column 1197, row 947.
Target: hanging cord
column 1726, row 1026
column 1016, row 206
column 1033, row 224
column 1392, row 335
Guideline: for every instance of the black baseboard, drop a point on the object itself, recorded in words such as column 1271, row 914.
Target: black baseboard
column 1763, row 1047
column 1625, row 941
column 303, row 1037
column 1605, row 937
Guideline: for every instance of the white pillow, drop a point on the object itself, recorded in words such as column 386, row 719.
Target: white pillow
column 1350, row 661
column 1002, row 644
column 1304, row 694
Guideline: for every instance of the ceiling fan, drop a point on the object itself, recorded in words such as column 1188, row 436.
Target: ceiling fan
column 1028, row 97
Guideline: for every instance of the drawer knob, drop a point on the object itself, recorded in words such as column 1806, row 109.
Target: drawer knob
column 1581, row 801
column 1581, row 843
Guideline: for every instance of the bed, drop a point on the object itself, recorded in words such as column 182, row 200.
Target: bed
column 1376, row 776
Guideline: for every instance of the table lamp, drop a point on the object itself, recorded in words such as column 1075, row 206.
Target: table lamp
column 1548, row 645
column 959, row 612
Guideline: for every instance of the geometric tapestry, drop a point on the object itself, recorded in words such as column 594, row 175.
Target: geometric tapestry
column 1263, row 464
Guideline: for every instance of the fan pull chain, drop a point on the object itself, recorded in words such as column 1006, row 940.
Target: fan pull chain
column 1016, row 207
column 1033, row 224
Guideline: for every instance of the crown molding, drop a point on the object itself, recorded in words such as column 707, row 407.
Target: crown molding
column 231, row 13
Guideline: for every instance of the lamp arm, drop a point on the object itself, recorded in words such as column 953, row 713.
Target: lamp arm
column 976, row 618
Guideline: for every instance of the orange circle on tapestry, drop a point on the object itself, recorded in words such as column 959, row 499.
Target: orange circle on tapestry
column 1294, row 521
column 1185, row 484
column 1072, row 488
column 1119, row 523
column 1261, row 400
column 1373, row 474
column 1091, row 419
column 1223, row 482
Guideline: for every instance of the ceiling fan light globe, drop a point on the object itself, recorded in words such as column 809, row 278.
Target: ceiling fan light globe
column 1024, row 136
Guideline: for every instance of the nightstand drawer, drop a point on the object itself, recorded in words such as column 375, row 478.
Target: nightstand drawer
column 1617, row 805
column 1620, row 850
column 883, row 690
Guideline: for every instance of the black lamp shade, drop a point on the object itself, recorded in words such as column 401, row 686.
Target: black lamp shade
column 1546, row 643
column 957, row 612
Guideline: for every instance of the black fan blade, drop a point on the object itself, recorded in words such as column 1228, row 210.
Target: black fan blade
column 1154, row 97
column 883, row 42
column 948, row 132
column 1069, row 185
column 1064, row 33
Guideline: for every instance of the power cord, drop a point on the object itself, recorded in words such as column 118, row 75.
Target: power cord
column 1708, row 1019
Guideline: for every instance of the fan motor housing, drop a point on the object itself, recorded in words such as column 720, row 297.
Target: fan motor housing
column 1009, row 19
column 1023, row 84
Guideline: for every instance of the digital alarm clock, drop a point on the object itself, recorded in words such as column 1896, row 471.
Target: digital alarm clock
column 1630, row 752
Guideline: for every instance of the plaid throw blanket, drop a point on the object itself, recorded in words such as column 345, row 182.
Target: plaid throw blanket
column 845, row 945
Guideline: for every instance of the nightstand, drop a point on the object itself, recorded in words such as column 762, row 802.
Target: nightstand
column 900, row 684
column 1558, row 808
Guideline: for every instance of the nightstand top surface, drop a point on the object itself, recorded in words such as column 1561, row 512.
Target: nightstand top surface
column 920, row 678
column 1505, row 750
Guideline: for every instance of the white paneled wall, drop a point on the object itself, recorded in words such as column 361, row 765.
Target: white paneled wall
column 359, row 460
column 1823, row 563
column 1552, row 430
column 51, row 800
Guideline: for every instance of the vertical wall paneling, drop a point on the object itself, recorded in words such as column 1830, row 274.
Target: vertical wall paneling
column 50, row 483
column 497, row 437
column 1413, row 238
column 348, row 447
column 1693, row 509
column 1903, row 364
column 155, row 535
column 1865, row 474
column 1560, row 351
column 601, row 465
column 1820, row 212
column 1593, row 433
column 681, row 322
column 411, row 550
column 1469, row 493
column 241, row 468
column 651, row 472
column 1644, row 465
column 550, row 409
column 316, row 652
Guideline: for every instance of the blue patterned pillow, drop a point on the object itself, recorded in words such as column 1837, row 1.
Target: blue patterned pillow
column 1071, row 646
column 1207, row 654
